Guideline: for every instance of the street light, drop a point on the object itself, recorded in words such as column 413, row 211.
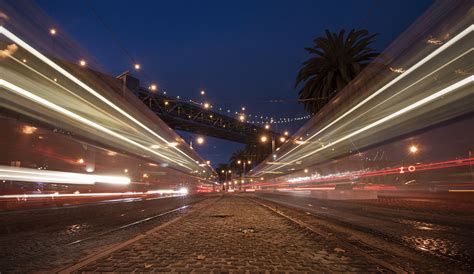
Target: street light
column 242, row 118
column 267, row 126
column 263, row 139
column 413, row 149
column 203, row 92
column 282, row 139
column 244, row 165
column 226, row 172
column 286, row 133
column 82, row 62
column 206, row 105
column 152, row 87
column 52, row 31
column 200, row 140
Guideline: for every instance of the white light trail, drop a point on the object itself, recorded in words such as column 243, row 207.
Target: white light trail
column 100, row 194
column 411, row 107
column 176, row 160
column 76, row 117
column 48, row 176
column 58, row 68
column 430, row 56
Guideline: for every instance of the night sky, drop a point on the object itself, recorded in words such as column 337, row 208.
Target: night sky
column 243, row 53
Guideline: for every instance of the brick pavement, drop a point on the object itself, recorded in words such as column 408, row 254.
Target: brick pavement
column 231, row 235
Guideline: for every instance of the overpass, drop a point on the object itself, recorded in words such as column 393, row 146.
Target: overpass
column 192, row 117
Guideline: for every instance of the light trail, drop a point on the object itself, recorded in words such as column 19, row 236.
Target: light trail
column 466, row 81
column 175, row 160
column 48, row 176
column 423, row 61
column 100, row 194
column 58, row 68
column 75, row 116
column 351, row 176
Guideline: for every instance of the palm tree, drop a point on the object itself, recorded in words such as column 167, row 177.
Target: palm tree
column 336, row 60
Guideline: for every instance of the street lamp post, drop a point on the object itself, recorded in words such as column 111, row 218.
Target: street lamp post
column 243, row 162
column 226, row 172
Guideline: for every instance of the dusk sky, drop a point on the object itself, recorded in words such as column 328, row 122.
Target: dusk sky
column 243, row 53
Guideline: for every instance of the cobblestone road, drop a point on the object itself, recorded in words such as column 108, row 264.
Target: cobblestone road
column 232, row 234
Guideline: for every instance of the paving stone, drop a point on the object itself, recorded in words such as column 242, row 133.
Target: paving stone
column 273, row 244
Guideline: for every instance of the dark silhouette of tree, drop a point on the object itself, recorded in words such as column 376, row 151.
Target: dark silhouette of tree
column 335, row 60
column 255, row 152
column 239, row 155
column 222, row 171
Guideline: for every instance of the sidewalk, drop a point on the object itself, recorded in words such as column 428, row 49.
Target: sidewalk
column 232, row 234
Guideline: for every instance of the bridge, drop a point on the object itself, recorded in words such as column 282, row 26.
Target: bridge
column 192, row 117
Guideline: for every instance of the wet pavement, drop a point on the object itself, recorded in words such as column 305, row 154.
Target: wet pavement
column 46, row 239
column 436, row 233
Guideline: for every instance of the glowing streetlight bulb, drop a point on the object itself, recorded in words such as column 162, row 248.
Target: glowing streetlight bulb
column 208, row 162
column 263, row 139
column 230, row 171
column 137, row 66
column 82, row 62
column 153, row 87
column 203, row 92
column 305, row 170
column 249, row 162
column 286, row 133
column 239, row 162
column 243, row 108
column 125, row 170
column 206, row 105
column 200, row 140
column 282, row 139
column 242, row 118
column 222, row 171
column 413, row 149
column 166, row 103
column 267, row 126
column 52, row 31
